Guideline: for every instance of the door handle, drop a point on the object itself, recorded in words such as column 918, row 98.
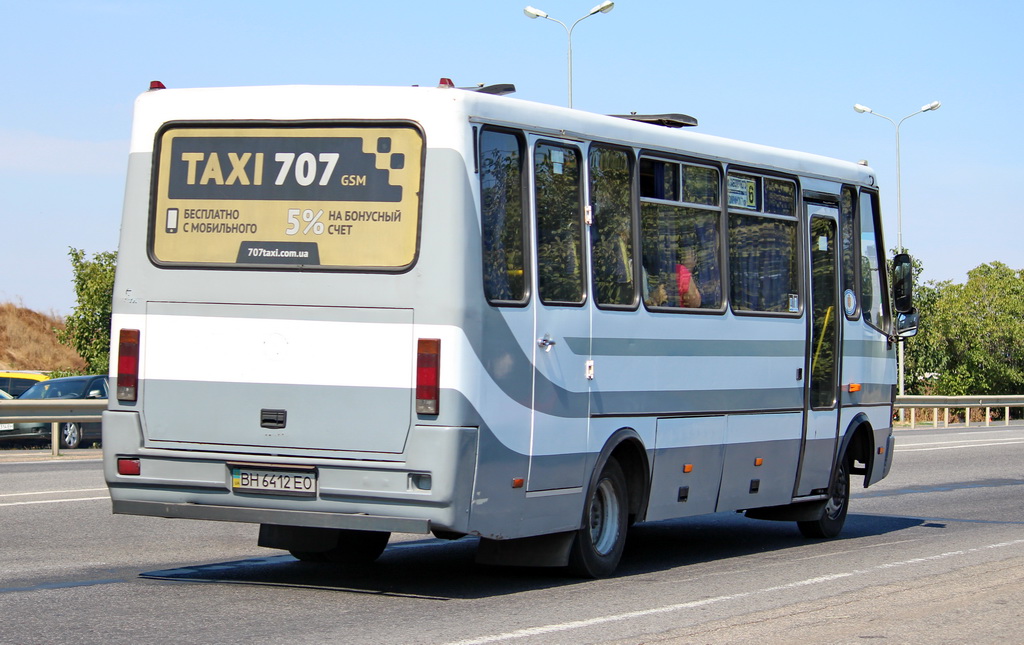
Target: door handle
column 545, row 343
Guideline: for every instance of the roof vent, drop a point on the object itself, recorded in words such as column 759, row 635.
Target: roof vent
column 500, row 89
column 667, row 120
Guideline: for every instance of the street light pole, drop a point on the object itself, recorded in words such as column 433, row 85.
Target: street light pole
column 604, row 7
column 863, row 109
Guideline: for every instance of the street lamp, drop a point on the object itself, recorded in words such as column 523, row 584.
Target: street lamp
column 863, row 109
column 604, row 7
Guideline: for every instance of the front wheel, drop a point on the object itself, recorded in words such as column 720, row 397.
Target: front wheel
column 70, row 435
column 599, row 542
column 834, row 514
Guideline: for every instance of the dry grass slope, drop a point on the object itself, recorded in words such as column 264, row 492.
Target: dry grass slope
column 28, row 342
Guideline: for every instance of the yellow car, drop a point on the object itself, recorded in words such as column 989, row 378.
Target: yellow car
column 15, row 383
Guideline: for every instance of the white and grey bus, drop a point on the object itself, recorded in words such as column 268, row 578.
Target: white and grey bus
column 342, row 312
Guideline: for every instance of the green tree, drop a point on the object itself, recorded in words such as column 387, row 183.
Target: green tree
column 924, row 353
column 972, row 334
column 87, row 329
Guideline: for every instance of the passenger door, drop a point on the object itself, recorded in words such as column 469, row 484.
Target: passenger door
column 821, row 427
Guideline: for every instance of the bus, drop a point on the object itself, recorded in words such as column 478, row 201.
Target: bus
column 342, row 312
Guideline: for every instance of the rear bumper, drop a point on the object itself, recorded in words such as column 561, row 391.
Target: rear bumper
column 429, row 487
column 272, row 516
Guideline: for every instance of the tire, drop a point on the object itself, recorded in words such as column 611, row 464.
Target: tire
column 830, row 524
column 353, row 547
column 70, row 435
column 599, row 542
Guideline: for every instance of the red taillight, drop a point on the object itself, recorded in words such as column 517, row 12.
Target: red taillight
column 129, row 466
column 128, row 365
column 428, row 382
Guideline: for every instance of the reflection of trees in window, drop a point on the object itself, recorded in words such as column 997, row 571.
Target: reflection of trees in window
column 612, row 232
column 559, row 225
column 701, row 185
column 824, row 322
column 679, row 235
column 872, row 294
column 762, row 262
column 846, row 225
column 501, row 197
column 779, row 197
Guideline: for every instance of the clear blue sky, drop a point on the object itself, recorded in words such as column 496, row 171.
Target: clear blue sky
column 780, row 73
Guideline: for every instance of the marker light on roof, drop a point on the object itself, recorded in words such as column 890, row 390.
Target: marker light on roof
column 157, row 85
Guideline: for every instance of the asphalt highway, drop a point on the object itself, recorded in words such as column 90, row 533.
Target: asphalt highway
column 932, row 554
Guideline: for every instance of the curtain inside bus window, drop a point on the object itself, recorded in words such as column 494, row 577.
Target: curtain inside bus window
column 659, row 179
column 501, row 211
column 763, row 264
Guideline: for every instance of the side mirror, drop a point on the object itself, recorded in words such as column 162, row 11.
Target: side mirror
column 906, row 324
column 903, row 284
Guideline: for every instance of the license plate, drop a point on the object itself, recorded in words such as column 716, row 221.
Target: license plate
column 248, row 479
column 6, row 426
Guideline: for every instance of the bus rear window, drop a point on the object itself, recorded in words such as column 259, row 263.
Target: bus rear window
column 307, row 196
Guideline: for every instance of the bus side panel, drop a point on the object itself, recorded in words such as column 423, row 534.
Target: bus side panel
column 687, row 469
column 870, row 362
column 757, row 472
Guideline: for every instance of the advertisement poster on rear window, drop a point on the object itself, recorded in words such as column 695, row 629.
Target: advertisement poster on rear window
column 330, row 197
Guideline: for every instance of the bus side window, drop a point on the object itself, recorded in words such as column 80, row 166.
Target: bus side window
column 501, row 212
column 612, row 232
column 681, row 243
column 764, row 267
column 558, row 199
column 873, row 295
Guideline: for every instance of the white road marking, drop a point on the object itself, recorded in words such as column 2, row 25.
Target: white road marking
column 600, row 620
column 54, row 492
column 54, row 501
column 957, row 446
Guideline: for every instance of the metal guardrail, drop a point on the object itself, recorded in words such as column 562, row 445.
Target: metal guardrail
column 53, row 411
column 966, row 403
column 57, row 411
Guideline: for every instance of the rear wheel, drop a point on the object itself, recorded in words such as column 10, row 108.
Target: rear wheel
column 599, row 542
column 70, row 435
column 353, row 547
column 834, row 515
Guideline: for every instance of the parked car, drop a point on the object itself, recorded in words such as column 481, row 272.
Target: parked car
column 72, row 434
column 15, row 383
column 5, row 426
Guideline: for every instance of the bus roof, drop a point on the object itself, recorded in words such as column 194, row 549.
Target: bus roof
column 434, row 105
